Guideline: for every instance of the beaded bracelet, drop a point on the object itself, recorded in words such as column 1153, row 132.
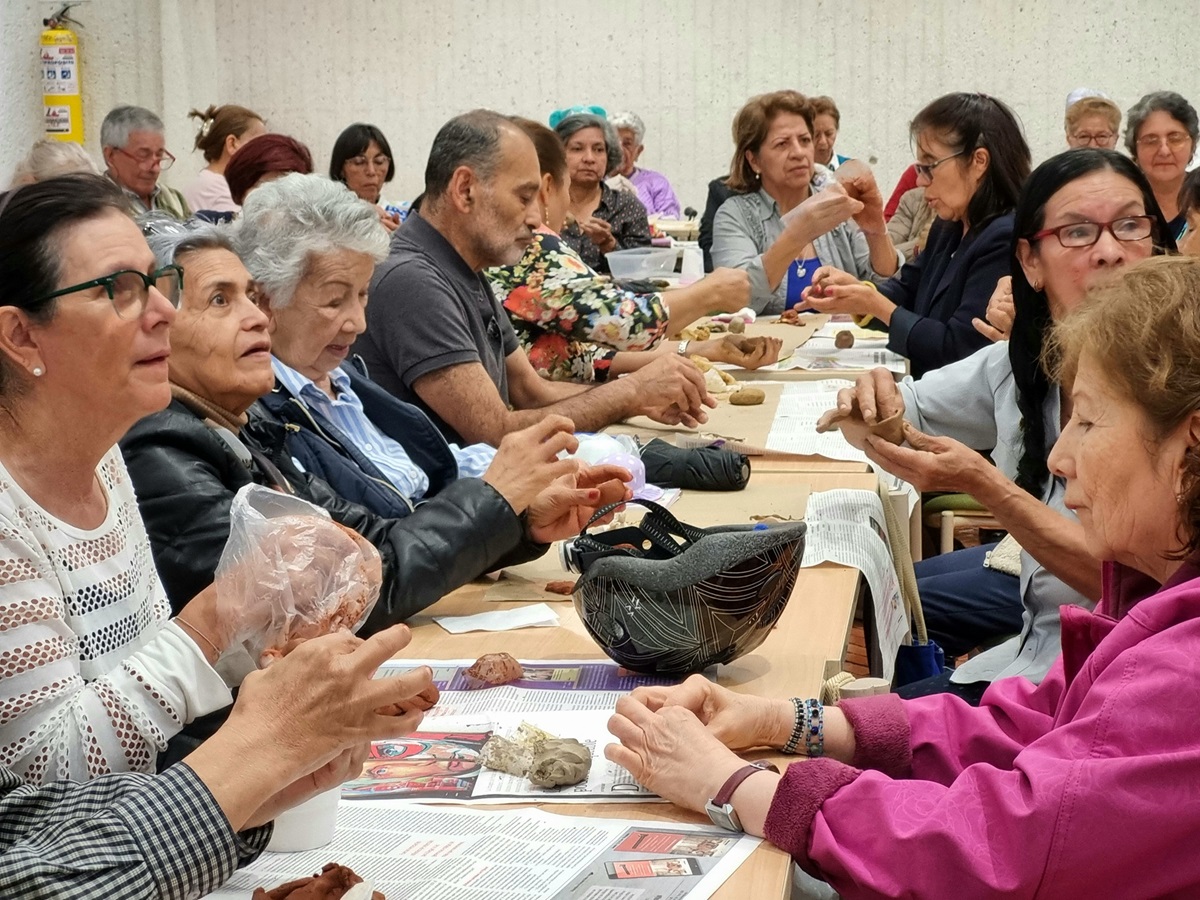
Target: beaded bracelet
column 797, row 729
column 814, row 728
column 809, row 726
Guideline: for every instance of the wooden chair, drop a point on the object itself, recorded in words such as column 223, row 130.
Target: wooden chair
column 958, row 517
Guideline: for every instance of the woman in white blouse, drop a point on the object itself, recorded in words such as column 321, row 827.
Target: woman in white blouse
column 96, row 675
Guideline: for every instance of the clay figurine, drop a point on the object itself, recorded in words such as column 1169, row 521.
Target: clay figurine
column 855, row 430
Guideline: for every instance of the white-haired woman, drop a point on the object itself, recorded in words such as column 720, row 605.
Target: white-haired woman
column 188, row 461
column 341, row 426
column 49, row 159
column 653, row 188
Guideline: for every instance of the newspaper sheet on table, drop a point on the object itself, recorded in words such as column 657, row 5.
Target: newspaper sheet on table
column 849, row 527
column 863, row 337
column 440, row 763
column 436, row 853
column 824, row 357
column 794, row 429
column 557, row 685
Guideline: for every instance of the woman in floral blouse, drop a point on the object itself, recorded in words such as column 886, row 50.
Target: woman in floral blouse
column 574, row 323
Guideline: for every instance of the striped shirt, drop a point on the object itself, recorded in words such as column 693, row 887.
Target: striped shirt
column 346, row 412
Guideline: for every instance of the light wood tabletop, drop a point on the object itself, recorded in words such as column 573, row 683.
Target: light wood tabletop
column 811, row 632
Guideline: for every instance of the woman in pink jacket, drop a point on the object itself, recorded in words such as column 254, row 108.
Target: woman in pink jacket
column 1085, row 786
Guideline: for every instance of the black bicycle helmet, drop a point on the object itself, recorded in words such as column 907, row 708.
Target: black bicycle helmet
column 658, row 605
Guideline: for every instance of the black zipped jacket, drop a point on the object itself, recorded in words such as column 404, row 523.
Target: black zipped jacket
column 186, row 474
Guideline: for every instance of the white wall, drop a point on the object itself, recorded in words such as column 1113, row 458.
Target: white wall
column 153, row 53
column 313, row 66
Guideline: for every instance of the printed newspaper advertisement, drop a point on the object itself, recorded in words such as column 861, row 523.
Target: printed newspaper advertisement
column 435, row 853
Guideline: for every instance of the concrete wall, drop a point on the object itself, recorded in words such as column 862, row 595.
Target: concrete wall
column 311, row 66
column 155, row 53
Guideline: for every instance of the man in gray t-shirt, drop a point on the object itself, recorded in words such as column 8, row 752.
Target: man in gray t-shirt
column 437, row 337
column 428, row 311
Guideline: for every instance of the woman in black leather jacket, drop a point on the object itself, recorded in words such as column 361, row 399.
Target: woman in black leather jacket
column 189, row 460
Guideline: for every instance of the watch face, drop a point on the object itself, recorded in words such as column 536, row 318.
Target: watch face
column 723, row 816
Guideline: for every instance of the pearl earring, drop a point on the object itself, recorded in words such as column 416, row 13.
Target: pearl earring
column 37, row 371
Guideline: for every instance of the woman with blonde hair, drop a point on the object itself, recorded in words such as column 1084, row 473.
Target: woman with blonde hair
column 49, row 159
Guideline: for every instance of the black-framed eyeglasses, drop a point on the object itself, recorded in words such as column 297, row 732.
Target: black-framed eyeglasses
column 925, row 170
column 129, row 290
column 1084, row 234
column 164, row 158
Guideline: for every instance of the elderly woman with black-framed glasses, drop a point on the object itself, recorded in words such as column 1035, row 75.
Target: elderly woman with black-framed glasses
column 362, row 160
column 97, row 675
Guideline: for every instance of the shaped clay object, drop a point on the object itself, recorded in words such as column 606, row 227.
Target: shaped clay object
column 502, row 755
column 423, row 702
column 514, row 755
column 560, row 762
column 737, row 325
column 333, row 883
column 844, row 340
column 748, row 396
column 492, row 669
column 855, row 430
column 560, row 587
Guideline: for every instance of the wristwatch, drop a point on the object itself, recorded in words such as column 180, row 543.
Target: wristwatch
column 720, row 809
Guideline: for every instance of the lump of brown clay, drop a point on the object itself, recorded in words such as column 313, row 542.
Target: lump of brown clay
column 748, row 396
column 560, row 763
column 844, row 340
column 492, row 669
column 560, row 587
column 737, row 325
column 856, row 430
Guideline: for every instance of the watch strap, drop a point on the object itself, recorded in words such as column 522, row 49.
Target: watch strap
column 734, row 781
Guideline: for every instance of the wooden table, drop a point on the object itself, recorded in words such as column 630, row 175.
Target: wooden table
column 744, row 428
column 812, row 631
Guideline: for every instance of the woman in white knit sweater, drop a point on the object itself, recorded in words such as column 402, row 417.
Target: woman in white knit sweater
column 94, row 675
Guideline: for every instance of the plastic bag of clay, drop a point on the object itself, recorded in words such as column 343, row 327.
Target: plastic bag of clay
column 289, row 572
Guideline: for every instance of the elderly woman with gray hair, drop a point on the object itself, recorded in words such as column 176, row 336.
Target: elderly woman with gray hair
column 604, row 219
column 653, row 188
column 188, row 461
column 1161, row 133
column 371, row 447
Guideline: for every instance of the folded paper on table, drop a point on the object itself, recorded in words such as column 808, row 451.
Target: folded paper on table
column 850, row 528
column 536, row 615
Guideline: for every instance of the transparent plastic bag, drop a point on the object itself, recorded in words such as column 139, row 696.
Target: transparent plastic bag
column 289, row 572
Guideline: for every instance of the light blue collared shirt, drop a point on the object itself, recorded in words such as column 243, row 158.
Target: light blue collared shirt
column 346, row 412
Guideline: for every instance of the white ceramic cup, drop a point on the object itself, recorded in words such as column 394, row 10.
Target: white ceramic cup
column 307, row 826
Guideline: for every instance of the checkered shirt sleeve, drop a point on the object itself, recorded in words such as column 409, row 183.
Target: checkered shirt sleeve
column 128, row 835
